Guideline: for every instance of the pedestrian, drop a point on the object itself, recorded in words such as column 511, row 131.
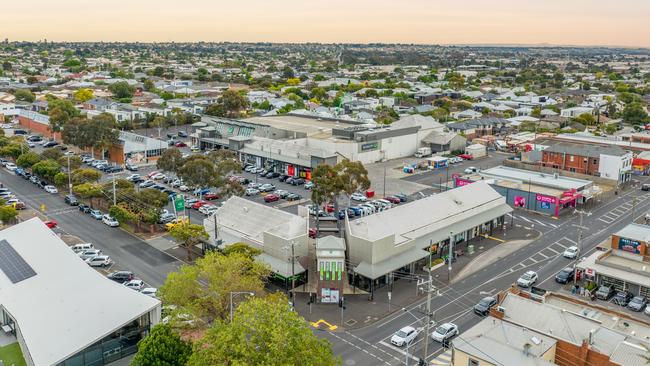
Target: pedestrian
column 582, row 291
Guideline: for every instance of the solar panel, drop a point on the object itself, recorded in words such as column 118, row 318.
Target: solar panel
column 13, row 265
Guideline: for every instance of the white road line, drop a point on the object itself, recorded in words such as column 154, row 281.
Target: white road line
column 569, row 240
column 553, row 225
column 605, row 221
column 399, row 350
column 525, row 219
column 552, row 250
column 539, row 222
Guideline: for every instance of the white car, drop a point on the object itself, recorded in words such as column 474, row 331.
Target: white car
column 404, row 336
column 471, row 170
column 251, row 192
column 68, row 153
column 207, row 210
column 527, row 279
column 184, row 188
column 358, row 197
column 149, row 291
column 444, row 332
column 571, row 252
column 110, row 221
column 89, row 253
column 99, row 261
column 51, row 189
column 158, row 176
column 134, row 284
column 11, row 166
column 133, row 177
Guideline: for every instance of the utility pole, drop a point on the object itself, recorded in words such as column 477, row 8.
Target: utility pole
column 451, row 253
column 580, row 227
column 69, row 177
column 429, row 289
column 114, row 195
column 293, row 273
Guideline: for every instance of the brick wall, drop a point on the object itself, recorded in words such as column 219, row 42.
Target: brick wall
column 39, row 128
column 572, row 163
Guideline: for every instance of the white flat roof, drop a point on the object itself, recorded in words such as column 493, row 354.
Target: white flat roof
column 431, row 214
column 67, row 305
column 536, row 178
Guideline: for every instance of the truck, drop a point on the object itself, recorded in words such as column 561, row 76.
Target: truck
column 423, row 152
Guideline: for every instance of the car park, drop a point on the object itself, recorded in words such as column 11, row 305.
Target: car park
column 404, row 336
column 210, row 196
column 622, row 298
column 638, row 303
column 134, row 284
column 11, row 166
column 71, row 200
column 571, row 252
column 149, row 291
column 565, row 275
column 483, row 307
column 527, row 279
column 445, row 332
column 293, row 197
column 183, row 220
column 605, row 292
column 110, row 221
column 251, row 192
column 77, row 248
column 309, row 185
column 120, row 276
column 99, row 261
column 89, row 253
column 96, row 214
column 358, row 197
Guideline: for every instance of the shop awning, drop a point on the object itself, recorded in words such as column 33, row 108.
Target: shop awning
column 373, row 271
column 280, row 266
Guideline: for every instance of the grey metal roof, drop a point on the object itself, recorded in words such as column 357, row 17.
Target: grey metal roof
column 537, row 178
column 636, row 232
column 592, row 151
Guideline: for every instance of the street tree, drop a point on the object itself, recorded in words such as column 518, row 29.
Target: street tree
column 122, row 213
column 102, row 132
column 162, row 347
column 26, row 160
column 7, row 213
column 188, row 235
column 46, row 169
column 170, row 161
column 88, row 191
column 13, row 150
column 72, row 161
column 203, row 288
column 354, row 176
column 52, row 154
column 264, row 331
column 198, row 171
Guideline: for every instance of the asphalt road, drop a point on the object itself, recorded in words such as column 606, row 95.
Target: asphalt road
column 371, row 345
column 126, row 250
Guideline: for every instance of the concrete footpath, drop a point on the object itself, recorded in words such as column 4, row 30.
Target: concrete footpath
column 362, row 310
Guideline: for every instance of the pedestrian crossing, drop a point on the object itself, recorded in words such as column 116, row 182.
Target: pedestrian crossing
column 534, row 221
column 551, row 251
column 442, row 359
column 621, row 210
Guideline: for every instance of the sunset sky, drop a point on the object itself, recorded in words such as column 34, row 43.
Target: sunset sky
column 565, row 22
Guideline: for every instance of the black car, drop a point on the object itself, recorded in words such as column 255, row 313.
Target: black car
column 564, row 276
column 71, row 200
column 605, row 292
column 182, row 134
column 121, row 276
column 645, row 187
column 42, row 183
column 50, row 144
column 113, row 169
column 137, row 180
column 622, row 298
column 483, row 307
column 243, row 180
column 283, row 178
column 84, row 208
column 293, row 197
column 637, row 303
column 402, row 197
column 297, row 181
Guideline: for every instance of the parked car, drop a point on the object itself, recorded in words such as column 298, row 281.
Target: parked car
column 146, row 184
column 637, row 303
column 605, row 292
column 131, row 167
column 282, row 193
column 134, row 284
column 183, row 220
column 283, row 177
column 71, row 200
column 16, row 204
column 166, row 217
column 89, row 253
column 120, row 276
column 622, row 298
column 571, row 252
column 210, row 196
column 527, row 279
column 180, row 144
column 309, row 185
column 77, row 248
column 158, row 176
column 149, row 291
column 182, row 134
column 11, row 166
column 99, row 261
column 267, row 187
column 471, row 170
column 51, row 224
column 196, row 205
column 483, row 307
column 271, row 198
column 445, row 332
column 110, row 221
column 360, row 197
column 50, row 144
column 96, row 214
column 297, row 181
column 208, row 210
column 393, row 200
column 404, row 336
column 251, row 192
column 84, row 208
column 312, row 233
column 565, row 275
column 293, row 197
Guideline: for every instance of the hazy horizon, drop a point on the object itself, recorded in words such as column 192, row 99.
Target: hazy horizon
column 580, row 23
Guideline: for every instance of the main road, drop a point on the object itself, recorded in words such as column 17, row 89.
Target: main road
column 371, row 345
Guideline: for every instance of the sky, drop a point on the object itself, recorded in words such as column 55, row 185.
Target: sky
column 556, row 22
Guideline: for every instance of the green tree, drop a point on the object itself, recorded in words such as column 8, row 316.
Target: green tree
column 635, row 114
column 24, row 95
column 13, row 150
column 170, row 161
column 121, row 90
column 198, row 171
column 242, row 248
column 28, row 159
column 264, row 331
column 586, row 119
column 88, row 191
column 7, row 213
column 73, row 161
column 233, row 103
column 85, row 175
column 52, row 154
column 46, row 169
column 203, row 289
column 162, row 347
column 122, row 213
column 61, row 179
column 188, row 235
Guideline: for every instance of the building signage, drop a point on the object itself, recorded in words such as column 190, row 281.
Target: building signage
column 520, row 201
column 545, row 205
column 629, row 245
column 370, row 146
column 590, row 272
column 549, row 199
column 460, row 182
column 329, row 295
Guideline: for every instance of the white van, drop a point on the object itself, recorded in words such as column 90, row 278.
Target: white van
column 81, row 247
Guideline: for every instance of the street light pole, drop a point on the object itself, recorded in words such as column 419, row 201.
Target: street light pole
column 451, row 245
column 580, row 227
column 69, row 178
column 293, row 274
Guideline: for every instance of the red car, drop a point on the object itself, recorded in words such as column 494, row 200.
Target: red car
column 181, row 144
column 198, row 204
column 312, row 233
column 392, row 199
column 271, row 198
column 330, row 207
column 51, row 224
column 210, row 196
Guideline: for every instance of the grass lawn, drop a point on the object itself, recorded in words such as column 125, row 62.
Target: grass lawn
column 11, row 355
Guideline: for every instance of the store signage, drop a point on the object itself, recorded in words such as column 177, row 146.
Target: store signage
column 369, row 146
column 545, row 205
column 541, row 198
column 462, row 182
column 590, row 272
column 629, row 245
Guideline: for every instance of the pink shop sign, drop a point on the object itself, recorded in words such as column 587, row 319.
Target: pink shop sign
column 547, row 199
